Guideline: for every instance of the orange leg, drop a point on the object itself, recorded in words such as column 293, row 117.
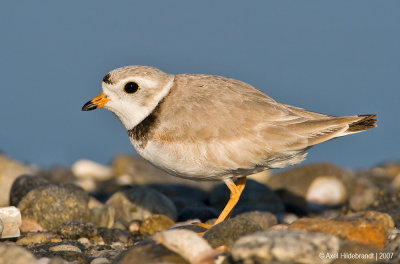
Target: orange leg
column 236, row 191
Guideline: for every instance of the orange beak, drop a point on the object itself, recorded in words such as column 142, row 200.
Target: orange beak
column 97, row 102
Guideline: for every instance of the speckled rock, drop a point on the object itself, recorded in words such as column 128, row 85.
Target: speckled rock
column 53, row 205
column 287, row 246
column 149, row 252
column 255, row 197
column 155, row 223
column 263, row 219
column 10, row 170
column 227, row 232
column 387, row 201
column 24, row 184
column 138, row 203
column 369, row 227
column 15, row 254
column 67, row 250
column 76, row 229
column 31, row 239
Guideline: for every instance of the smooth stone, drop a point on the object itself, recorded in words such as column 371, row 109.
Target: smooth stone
column 88, row 169
column 15, row 254
column 23, row 185
column 329, row 191
column 103, row 216
column 364, row 194
column 10, row 218
column 188, row 244
column 76, row 229
column 368, row 227
column 149, row 251
column 201, row 212
column 155, row 223
column 299, row 179
column 10, row 170
column 255, row 197
column 227, row 232
column 263, row 219
column 288, row 246
column 138, row 203
column 52, row 205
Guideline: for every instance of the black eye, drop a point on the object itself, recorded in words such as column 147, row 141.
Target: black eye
column 131, row 87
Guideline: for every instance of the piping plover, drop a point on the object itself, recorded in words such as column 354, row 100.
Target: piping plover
column 205, row 127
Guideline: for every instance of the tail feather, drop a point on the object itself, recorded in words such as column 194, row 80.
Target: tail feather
column 366, row 122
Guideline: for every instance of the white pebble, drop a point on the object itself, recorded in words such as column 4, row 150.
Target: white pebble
column 326, row 191
column 87, row 169
column 10, row 218
column 188, row 244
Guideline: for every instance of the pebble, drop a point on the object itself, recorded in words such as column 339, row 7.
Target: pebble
column 364, row 195
column 138, row 203
column 149, row 251
column 36, row 238
column 70, row 251
column 329, row 191
column 255, row 197
column 288, row 246
column 30, row 225
column 23, row 185
column 227, row 232
column 298, row 180
column 369, row 227
column 113, row 235
column 10, row 218
column 76, row 229
column 88, row 169
column 188, row 244
column 52, row 205
column 100, row 261
column 103, row 216
column 263, row 219
column 10, row 170
column 15, row 255
column 387, row 201
column 155, row 223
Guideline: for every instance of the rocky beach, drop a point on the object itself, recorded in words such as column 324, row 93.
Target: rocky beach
column 131, row 212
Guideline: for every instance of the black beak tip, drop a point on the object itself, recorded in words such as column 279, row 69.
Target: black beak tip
column 89, row 106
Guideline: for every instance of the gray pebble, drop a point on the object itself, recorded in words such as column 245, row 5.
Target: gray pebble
column 138, row 203
column 229, row 231
column 286, row 246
